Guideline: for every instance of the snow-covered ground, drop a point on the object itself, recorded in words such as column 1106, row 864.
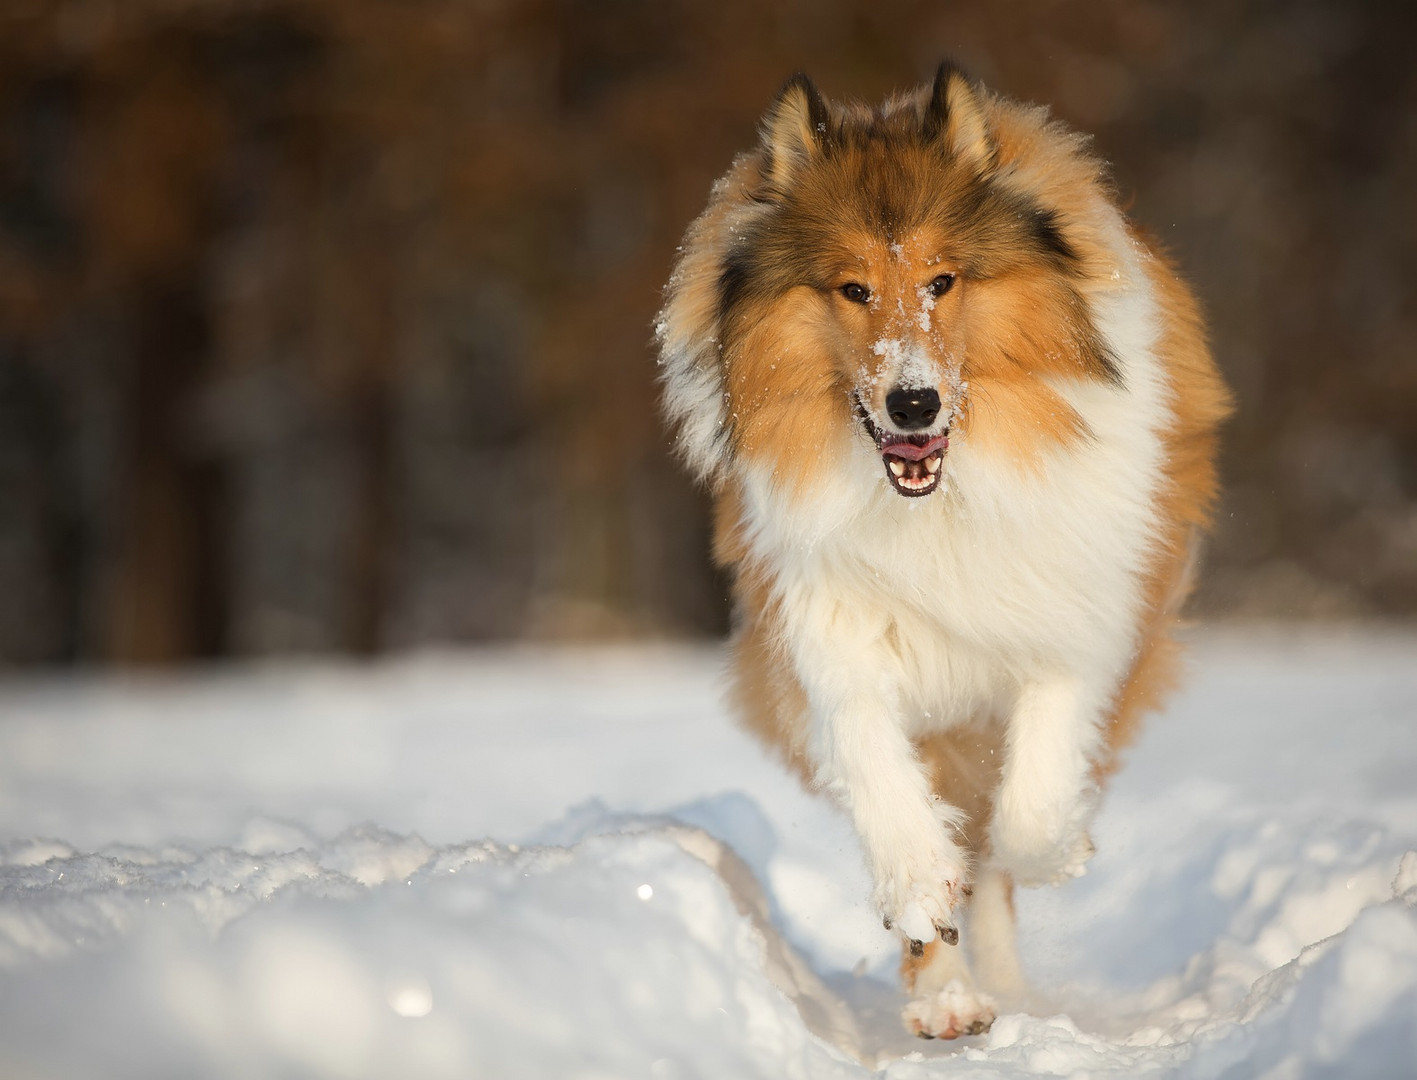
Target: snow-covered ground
column 570, row 864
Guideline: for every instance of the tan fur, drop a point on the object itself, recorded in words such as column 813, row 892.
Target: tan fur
column 768, row 698
column 911, row 965
column 1200, row 403
column 967, row 129
column 782, row 398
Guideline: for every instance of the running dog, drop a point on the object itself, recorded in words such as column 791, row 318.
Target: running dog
column 959, row 419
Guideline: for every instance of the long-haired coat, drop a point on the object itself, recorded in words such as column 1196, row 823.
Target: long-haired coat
column 958, row 418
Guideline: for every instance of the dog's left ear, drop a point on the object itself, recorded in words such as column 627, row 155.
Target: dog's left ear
column 794, row 130
column 955, row 115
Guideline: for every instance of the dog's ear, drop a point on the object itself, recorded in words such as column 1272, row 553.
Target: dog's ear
column 955, row 115
column 794, row 131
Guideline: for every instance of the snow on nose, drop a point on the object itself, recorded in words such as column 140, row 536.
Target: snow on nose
column 906, row 363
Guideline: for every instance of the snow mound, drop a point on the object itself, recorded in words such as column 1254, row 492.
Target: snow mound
column 645, row 950
column 269, row 874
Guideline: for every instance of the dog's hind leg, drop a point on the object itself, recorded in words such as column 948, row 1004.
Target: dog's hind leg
column 945, row 1002
column 993, row 938
column 959, row 991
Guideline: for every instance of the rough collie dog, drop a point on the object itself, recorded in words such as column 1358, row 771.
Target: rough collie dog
column 959, row 420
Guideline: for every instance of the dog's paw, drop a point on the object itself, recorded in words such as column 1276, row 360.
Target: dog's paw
column 1043, row 844
column 1079, row 855
column 950, row 1012
column 918, row 900
column 1050, row 863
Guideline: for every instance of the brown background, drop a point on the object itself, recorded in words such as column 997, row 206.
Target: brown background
column 324, row 324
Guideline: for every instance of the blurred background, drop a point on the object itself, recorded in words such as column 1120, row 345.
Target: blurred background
column 325, row 324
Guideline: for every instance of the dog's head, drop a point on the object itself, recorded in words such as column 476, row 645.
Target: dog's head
column 902, row 272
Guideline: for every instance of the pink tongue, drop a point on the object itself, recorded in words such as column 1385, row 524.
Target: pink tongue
column 909, row 451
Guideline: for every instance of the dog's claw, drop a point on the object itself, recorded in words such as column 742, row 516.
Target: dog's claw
column 923, row 1035
column 886, row 922
column 917, row 948
column 949, row 935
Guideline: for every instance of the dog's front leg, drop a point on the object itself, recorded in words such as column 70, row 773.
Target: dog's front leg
column 1046, row 795
column 861, row 753
column 919, row 871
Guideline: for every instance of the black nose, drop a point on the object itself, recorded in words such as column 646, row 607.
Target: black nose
column 911, row 410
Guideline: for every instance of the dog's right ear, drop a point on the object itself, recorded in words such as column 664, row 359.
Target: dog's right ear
column 794, row 131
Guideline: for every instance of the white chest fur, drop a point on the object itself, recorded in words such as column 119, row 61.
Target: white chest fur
column 1007, row 575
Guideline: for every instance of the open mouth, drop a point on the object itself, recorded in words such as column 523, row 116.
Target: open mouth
column 912, row 462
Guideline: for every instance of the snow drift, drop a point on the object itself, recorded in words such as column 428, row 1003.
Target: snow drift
column 570, row 864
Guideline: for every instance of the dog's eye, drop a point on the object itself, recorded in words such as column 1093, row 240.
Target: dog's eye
column 941, row 284
column 857, row 294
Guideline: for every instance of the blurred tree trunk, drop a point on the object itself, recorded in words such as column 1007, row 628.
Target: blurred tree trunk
column 372, row 538
column 157, row 136
column 166, row 598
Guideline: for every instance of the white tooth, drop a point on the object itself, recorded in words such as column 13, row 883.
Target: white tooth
column 897, row 466
column 933, row 463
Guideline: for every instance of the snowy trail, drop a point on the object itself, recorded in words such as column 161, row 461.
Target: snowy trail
column 570, row 864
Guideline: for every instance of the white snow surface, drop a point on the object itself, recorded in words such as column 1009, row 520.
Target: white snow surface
column 570, row 863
